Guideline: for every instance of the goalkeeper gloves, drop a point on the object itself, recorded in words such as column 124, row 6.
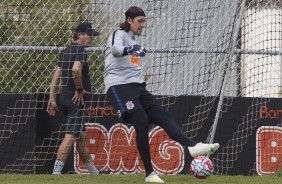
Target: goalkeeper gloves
column 136, row 50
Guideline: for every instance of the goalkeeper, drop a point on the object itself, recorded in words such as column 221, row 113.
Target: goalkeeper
column 73, row 68
column 126, row 90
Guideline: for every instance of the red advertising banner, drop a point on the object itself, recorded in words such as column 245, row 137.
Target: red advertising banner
column 115, row 150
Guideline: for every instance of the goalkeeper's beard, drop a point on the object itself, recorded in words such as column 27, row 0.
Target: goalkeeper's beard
column 138, row 32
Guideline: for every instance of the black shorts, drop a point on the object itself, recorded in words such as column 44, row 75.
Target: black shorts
column 75, row 115
column 127, row 98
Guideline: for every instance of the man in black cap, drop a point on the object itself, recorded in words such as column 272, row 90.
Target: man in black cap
column 73, row 69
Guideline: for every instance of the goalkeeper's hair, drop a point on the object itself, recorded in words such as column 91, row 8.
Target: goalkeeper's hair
column 125, row 26
column 132, row 12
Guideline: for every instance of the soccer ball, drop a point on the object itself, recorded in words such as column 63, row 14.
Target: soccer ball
column 201, row 167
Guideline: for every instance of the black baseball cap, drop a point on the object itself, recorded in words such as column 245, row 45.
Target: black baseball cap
column 86, row 27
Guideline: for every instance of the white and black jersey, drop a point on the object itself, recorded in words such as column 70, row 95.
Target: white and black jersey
column 119, row 68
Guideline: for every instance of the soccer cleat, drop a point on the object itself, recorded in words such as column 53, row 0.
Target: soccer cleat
column 94, row 170
column 56, row 173
column 153, row 178
column 203, row 149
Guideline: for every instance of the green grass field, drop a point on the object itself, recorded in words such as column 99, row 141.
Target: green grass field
column 132, row 178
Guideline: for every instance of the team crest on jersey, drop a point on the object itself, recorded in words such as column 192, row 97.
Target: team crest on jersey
column 129, row 105
column 119, row 113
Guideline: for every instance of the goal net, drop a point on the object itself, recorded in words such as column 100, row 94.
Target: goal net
column 215, row 65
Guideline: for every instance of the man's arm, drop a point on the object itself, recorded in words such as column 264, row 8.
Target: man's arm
column 54, row 84
column 118, row 44
column 52, row 105
column 119, row 48
column 77, row 78
column 77, row 75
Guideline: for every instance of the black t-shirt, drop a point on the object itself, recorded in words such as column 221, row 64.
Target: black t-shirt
column 74, row 52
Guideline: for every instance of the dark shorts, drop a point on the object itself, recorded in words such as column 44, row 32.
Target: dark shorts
column 127, row 98
column 75, row 115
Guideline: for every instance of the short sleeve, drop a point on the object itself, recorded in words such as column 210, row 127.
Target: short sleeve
column 81, row 55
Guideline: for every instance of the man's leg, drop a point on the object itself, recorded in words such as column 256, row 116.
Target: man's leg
column 85, row 154
column 63, row 153
column 162, row 118
column 140, row 123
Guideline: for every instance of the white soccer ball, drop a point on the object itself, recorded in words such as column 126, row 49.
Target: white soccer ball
column 201, row 167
